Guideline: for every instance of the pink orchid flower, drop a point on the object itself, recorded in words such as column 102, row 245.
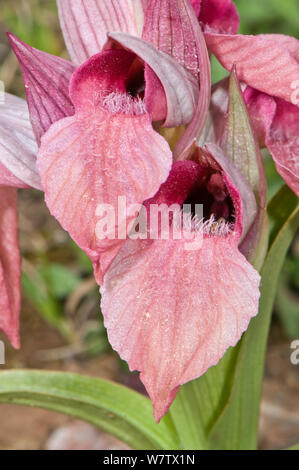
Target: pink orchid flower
column 17, row 170
column 102, row 113
column 172, row 83
column 138, row 66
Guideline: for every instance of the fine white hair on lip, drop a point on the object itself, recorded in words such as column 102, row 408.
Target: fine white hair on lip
column 212, row 226
column 117, row 103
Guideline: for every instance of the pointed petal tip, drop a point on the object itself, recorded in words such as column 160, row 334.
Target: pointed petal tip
column 15, row 41
column 18, row 147
column 162, row 403
column 11, row 36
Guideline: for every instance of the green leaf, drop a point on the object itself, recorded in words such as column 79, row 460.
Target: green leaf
column 237, row 427
column 280, row 207
column 199, row 403
column 116, row 409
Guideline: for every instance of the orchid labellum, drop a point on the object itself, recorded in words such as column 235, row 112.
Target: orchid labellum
column 139, row 73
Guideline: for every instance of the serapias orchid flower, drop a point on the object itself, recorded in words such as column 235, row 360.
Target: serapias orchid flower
column 170, row 312
column 106, row 147
column 17, row 170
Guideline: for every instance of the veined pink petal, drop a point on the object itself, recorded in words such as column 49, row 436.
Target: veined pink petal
column 276, row 124
column 193, row 131
column 199, row 116
column 219, row 16
column 106, row 151
column 170, row 27
column 172, row 313
column 181, row 88
column 10, row 266
column 18, row 148
column 85, row 23
column 98, row 77
column 261, row 61
column 46, row 78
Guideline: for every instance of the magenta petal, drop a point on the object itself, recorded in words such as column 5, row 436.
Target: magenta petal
column 85, row 23
column 172, row 313
column 18, row 148
column 181, row 88
column 175, row 190
column 106, row 151
column 219, row 16
column 46, row 78
column 261, row 61
column 101, row 75
column 10, row 266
